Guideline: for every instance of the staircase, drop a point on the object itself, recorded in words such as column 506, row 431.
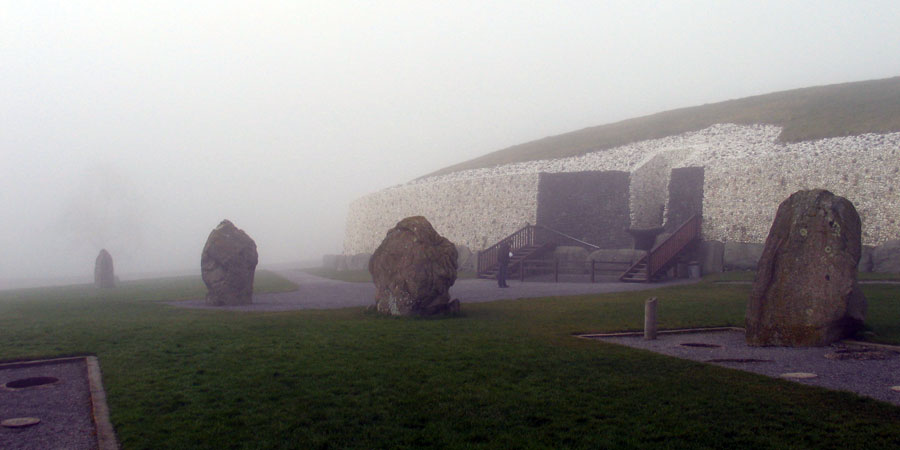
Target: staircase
column 637, row 273
column 652, row 265
column 524, row 243
column 518, row 255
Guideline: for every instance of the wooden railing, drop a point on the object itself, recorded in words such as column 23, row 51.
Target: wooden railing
column 487, row 258
column 527, row 236
column 594, row 268
column 663, row 254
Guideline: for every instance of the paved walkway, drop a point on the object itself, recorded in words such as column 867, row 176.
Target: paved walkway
column 321, row 293
column 865, row 369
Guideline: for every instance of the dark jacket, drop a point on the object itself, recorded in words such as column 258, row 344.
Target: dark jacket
column 503, row 253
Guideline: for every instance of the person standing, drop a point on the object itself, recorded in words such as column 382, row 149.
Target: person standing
column 503, row 255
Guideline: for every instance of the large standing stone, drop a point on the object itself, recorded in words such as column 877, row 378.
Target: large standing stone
column 413, row 270
column 228, row 265
column 104, row 276
column 805, row 293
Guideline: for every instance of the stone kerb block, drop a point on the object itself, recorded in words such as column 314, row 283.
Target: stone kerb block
column 575, row 256
column 741, row 255
column 466, row 260
column 806, row 292
column 865, row 260
column 359, row 261
column 615, row 258
column 712, row 255
column 886, row 257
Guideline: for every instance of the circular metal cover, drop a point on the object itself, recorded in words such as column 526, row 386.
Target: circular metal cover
column 25, row 383
column 20, row 422
column 699, row 344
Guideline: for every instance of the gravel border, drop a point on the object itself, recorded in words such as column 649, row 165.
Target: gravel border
column 64, row 407
column 870, row 378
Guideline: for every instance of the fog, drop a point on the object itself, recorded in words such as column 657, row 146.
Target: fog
column 139, row 126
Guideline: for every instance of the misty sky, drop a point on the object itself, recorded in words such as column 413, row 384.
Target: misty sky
column 138, row 126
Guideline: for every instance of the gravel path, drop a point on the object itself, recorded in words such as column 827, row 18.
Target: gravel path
column 321, row 293
column 871, row 378
column 64, row 407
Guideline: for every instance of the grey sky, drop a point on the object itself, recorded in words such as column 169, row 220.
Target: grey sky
column 138, row 126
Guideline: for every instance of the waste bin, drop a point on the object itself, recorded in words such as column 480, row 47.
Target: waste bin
column 694, row 269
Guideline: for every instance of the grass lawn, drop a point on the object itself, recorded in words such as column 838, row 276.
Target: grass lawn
column 747, row 275
column 505, row 374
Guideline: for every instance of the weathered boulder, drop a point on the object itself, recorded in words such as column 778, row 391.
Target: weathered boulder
column 413, row 270
column 228, row 265
column 104, row 276
column 805, row 293
column 886, row 257
column 741, row 255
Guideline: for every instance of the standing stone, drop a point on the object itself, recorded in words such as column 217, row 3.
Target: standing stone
column 228, row 265
column 413, row 270
column 805, row 293
column 104, row 276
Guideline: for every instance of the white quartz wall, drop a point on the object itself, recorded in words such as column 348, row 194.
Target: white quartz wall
column 743, row 189
column 649, row 188
column 475, row 212
column 747, row 174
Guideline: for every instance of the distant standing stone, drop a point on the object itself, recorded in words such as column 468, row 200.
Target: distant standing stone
column 228, row 265
column 805, row 293
column 104, row 276
column 413, row 270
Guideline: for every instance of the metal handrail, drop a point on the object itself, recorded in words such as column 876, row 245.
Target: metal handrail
column 529, row 235
column 597, row 247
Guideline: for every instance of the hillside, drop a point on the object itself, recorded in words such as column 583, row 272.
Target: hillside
column 804, row 114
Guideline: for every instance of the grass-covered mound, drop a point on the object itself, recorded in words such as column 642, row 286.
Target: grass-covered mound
column 819, row 112
column 506, row 374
